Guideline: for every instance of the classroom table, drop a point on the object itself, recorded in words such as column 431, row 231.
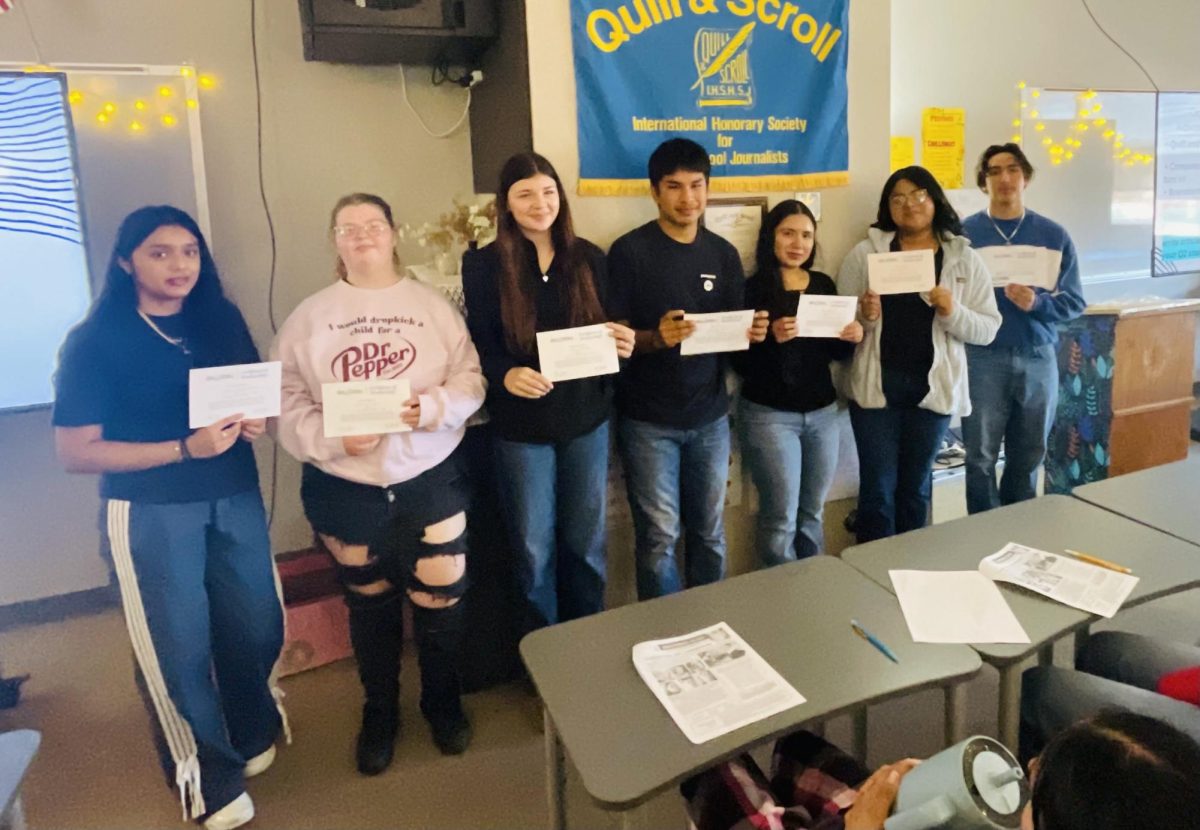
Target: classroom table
column 1164, row 498
column 1162, row 563
column 17, row 749
column 796, row 616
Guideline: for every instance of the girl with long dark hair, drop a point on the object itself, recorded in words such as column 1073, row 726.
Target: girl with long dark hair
column 183, row 518
column 909, row 373
column 552, row 438
column 789, row 411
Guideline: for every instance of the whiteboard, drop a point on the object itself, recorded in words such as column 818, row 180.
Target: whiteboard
column 120, row 167
column 1177, row 214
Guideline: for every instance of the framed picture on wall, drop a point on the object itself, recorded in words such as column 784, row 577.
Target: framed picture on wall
column 738, row 220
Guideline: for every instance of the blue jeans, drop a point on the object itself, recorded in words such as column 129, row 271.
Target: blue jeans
column 1115, row 669
column 896, row 448
column 672, row 473
column 553, row 497
column 1013, row 396
column 199, row 593
column 792, row 458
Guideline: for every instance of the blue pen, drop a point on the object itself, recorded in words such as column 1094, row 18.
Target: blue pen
column 873, row 640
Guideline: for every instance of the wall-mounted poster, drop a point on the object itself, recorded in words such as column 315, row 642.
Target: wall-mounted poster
column 761, row 85
column 943, row 144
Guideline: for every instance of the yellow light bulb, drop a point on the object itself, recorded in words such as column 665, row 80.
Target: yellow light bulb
column 102, row 117
column 136, row 126
column 1047, row 141
column 1083, row 128
column 1033, row 114
column 206, row 81
column 1056, row 160
column 1109, row 133
column 1016, row 139
column 1069, row 155
column 139, row 104
column 110, row 107
column 75, row 96
column 168, row 121
column 1100, row 122
column 187, row 71
column 1084, row 113
column 1024, row 104
column 1118, row 144
column 1149, row 158
column 1039, row 126
column 192, row 103
column 1016, row 122
column 1020, row 84
column 165, row 91
column 1036, row 93
column 1097, row 107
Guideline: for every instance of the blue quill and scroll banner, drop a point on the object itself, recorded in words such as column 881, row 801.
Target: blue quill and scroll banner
column 761, row 84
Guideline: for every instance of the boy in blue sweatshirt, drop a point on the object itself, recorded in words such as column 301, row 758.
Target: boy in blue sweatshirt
column 1014, row 380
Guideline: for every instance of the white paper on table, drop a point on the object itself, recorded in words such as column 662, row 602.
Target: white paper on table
column 366, row 407
column 220, row 391
column 955, row 607
column 1065, row 579
column 901, row 272
column 711, row 682
column 720, row 331
column 824, row 315
column 1022, row 264
column 580, row 352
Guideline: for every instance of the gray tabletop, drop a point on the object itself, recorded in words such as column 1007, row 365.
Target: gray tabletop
column 1162, row 563
column 1161, row 497
column 797, row 616
column 17, row 749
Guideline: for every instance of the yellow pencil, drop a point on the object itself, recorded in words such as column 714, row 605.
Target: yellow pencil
column 1096, row 560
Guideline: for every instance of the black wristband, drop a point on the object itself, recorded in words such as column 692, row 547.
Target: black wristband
column 184, row 452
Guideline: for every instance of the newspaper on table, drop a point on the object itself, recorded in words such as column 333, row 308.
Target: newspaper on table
column 711, row 682
column 1081, row 585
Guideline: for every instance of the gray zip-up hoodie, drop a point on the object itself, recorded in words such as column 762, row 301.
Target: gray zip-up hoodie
column 974, row 319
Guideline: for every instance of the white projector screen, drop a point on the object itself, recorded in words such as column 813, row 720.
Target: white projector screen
column 44, row 284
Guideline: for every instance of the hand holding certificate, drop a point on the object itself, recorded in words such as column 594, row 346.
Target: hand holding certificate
column 722, row 331
column 822, row 315
column 903, row 272
column 581, row 352
column 218, row 392
column 369, row 407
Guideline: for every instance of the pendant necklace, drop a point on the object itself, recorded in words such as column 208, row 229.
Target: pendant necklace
column 177, row 342
column 1007, row 237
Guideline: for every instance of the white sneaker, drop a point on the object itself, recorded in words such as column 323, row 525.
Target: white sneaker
column 234, row 814
column 260, row 762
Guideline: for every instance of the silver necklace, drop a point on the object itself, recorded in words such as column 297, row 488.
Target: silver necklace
column 177, row 342
column 1007, row 237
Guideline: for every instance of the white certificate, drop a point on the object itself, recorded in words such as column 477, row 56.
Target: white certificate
column 904, row 272
column 218, row 392
column 824, row 315
column 581, row 352
column 1022, row 264
column 367, row 407
column 721, row 331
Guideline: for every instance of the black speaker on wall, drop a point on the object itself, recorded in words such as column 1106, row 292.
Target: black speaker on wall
column 425, row 32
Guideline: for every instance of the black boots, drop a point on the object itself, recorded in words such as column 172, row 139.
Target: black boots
column 439, row 642
column 376, row 632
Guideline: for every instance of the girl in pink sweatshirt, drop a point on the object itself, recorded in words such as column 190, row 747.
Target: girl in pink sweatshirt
column 390, row 508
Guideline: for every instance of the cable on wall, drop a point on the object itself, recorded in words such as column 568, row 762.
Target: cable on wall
column 1113, row 40
column 37, row 49
column 421, row 121
column 262, row 192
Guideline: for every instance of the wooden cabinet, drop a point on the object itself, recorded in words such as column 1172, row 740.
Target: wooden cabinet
column 1125, row 391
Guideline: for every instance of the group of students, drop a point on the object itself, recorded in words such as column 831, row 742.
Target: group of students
column 184, row 521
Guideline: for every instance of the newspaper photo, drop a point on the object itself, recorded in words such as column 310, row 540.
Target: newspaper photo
column 1090, row 588
column 711, row 682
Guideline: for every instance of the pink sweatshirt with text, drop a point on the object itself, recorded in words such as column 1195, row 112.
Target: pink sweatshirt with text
column 344, row 333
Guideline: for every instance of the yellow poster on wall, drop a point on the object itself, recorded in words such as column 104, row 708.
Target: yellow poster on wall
column 943, row 144
column 903, row 152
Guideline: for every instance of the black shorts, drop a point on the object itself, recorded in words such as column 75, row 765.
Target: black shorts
column 389, row 520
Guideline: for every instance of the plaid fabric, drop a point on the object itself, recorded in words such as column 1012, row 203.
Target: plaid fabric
column 811, row 785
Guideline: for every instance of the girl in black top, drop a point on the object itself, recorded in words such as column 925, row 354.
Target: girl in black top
column 789, row 411
column 552, row 438
column 185, row 522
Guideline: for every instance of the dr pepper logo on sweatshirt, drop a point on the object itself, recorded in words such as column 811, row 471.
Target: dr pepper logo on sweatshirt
column 371, row 361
